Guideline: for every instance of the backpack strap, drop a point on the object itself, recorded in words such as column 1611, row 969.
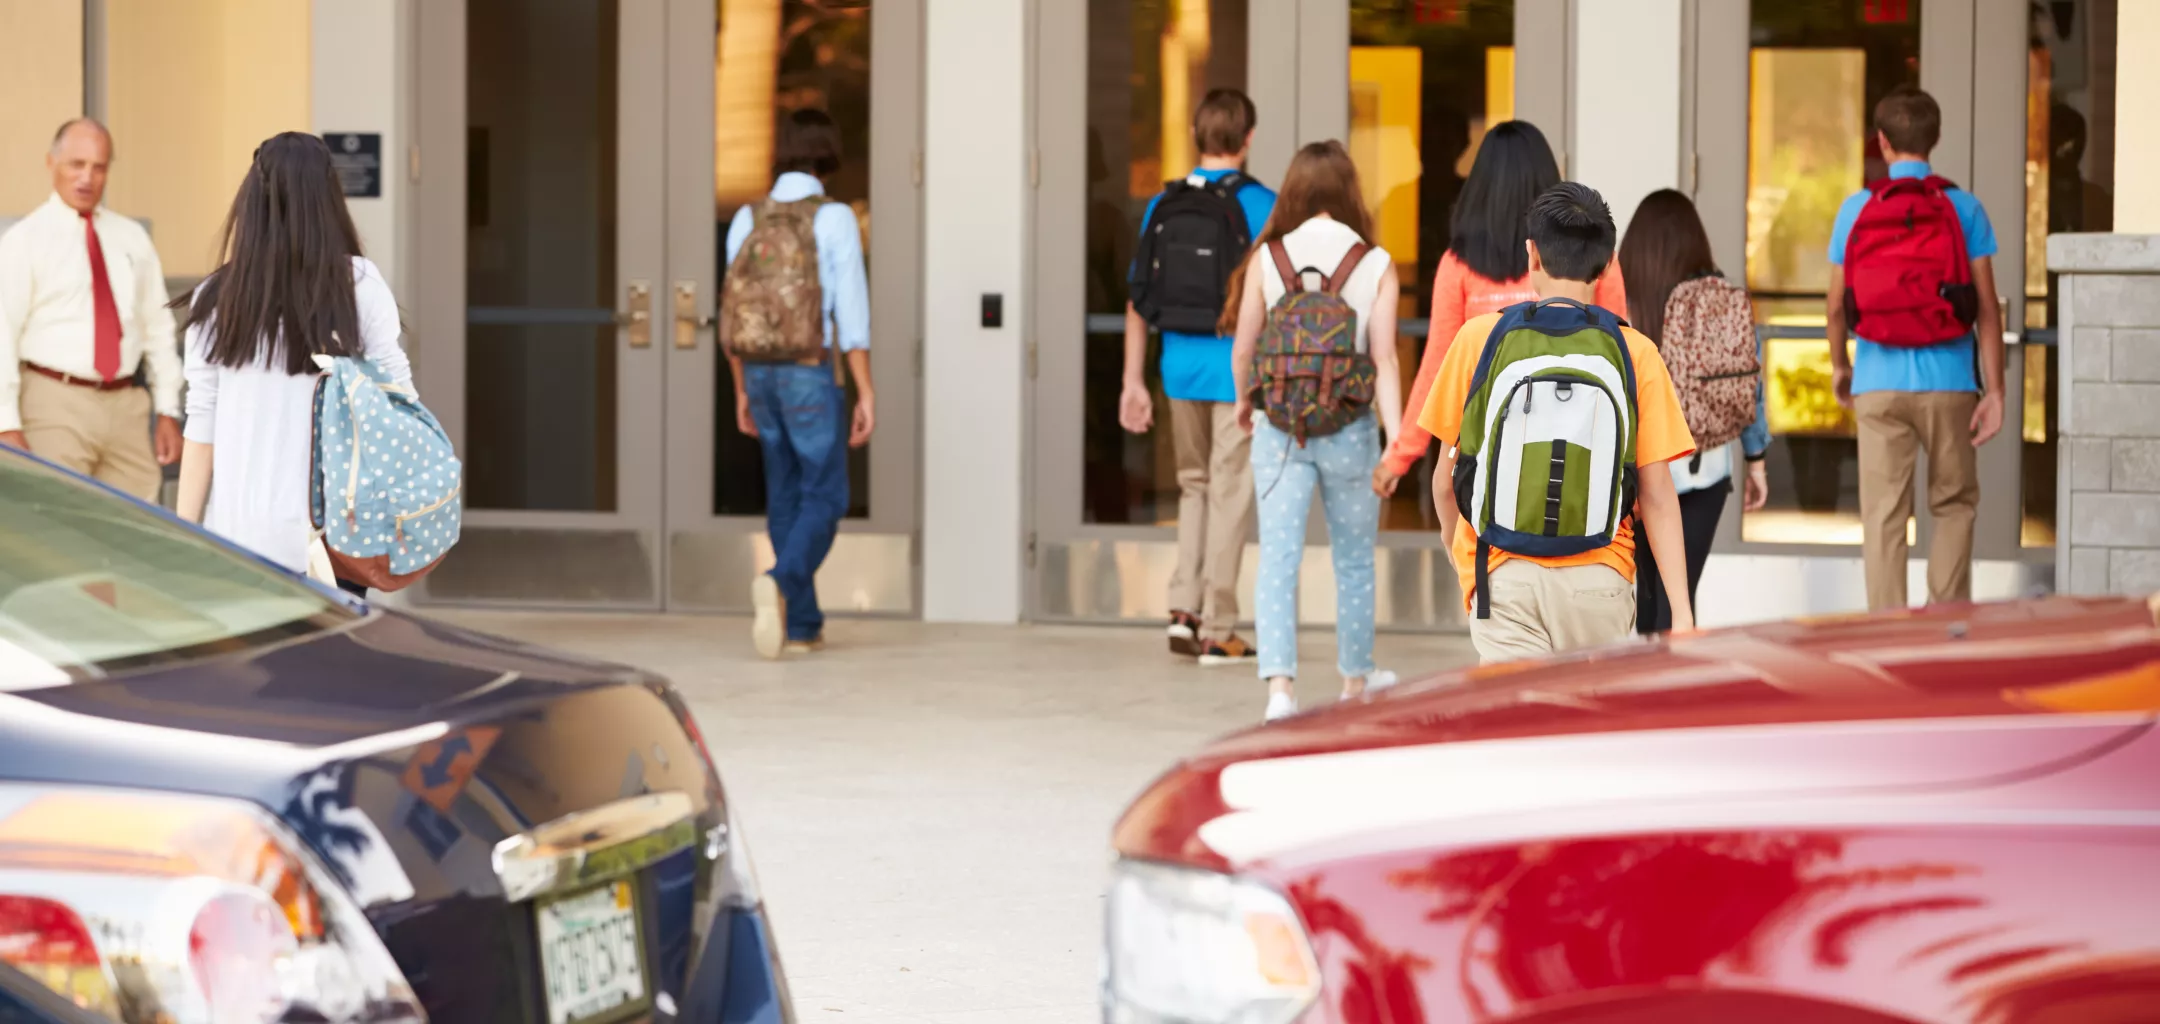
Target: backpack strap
column 1347, row 267
column 1290, row 280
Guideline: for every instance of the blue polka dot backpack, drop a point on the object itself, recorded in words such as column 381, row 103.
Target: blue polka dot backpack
column 386, row 491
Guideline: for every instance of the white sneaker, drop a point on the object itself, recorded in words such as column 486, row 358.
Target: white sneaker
column 768, row 629
column 1279, row 706
column 1381, row 679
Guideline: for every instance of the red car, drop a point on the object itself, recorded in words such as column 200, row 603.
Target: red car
column 1943, row 816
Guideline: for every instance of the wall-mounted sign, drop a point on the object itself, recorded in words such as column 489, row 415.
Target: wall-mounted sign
column 358, row 159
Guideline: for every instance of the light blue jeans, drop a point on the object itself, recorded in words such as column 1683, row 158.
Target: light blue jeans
column 1284, row 476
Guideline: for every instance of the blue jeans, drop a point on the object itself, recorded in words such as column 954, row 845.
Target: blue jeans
column 802, row 426
column 1284, row 476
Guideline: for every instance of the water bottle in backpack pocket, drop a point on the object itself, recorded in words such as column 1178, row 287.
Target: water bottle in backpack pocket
column 1546, row 461
column 385, row 493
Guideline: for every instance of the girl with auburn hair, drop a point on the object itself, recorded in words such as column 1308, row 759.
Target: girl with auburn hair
column 1486, row 268
column 1665, row 248
column 1320, row 226
column 293, row 285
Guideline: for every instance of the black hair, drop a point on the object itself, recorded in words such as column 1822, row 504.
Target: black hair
column 809, row 143
column 284, row 292
column 1573, row 230
column 1514, row 166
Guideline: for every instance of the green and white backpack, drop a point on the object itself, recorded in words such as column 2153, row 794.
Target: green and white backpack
column 1546, row 463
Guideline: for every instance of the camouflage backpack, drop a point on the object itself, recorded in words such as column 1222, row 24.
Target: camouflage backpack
column 772, row 309
column 1308, row 375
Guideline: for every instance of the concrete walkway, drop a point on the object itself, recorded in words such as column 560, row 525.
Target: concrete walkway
column 930, row 806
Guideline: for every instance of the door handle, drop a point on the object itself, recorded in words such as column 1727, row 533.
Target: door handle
column 687, row 321
column 637, row 318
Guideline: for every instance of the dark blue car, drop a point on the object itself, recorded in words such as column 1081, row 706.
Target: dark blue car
column 229, row 794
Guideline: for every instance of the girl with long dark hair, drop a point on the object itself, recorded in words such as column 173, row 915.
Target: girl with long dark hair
column 1319, row 219
column 1665, row 248
column 292, row 285
column 1486, row 268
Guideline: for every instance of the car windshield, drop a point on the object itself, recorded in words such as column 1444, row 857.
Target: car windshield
column 91, row 584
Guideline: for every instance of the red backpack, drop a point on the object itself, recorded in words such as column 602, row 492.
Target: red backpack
column 1908, row 282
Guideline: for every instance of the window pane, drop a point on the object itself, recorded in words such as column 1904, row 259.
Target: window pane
column 2069, row 186
column 1815, row 71
column 1426, row 79
column 540, row 255
column 1149, row 64
column 776, row 57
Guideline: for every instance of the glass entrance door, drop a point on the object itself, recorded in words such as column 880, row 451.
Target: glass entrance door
column 541, row 253
column 579, row 162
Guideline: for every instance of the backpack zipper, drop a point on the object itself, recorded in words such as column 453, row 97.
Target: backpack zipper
column 417, row 513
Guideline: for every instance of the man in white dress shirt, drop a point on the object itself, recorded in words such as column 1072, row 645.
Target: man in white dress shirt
column 82, row 305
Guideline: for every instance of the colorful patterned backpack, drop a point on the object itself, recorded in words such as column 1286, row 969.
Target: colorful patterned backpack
column 772, row 308
column 1308, row 375
column 385, row 493
column 1709, row 348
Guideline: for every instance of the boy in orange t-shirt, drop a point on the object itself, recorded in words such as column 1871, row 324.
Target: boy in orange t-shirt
column 1546, row 605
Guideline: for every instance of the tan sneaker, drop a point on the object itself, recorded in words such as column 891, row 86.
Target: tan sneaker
column 1230, row 650
column 768, row 627
column 810, row 646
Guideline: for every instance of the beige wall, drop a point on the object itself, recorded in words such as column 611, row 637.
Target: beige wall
column 192, row 87
column 2137, row 139
column 40, row 86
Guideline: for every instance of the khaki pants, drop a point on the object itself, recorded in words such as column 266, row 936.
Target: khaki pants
column 1895, row 427
column 104, row 435
column 1215, row 512
column 1539, row 610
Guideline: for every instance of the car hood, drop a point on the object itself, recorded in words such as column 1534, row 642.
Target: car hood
column 1756, row 720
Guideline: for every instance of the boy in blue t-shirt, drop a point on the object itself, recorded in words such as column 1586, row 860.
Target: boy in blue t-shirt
column 1944, row 398
column 1214, row 466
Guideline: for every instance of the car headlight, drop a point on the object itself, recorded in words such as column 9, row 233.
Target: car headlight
column 1197, row 947
column 163, row 908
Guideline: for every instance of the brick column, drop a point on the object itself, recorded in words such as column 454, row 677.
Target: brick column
column 2110, row 413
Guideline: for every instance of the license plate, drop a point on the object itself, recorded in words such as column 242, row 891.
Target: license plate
column 591, row 954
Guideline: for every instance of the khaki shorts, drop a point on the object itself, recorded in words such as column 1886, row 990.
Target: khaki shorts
column 1539, row 610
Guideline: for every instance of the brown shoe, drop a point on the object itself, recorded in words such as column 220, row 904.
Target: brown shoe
column 810, row 646
column 1184, row 634
column 1230, row 650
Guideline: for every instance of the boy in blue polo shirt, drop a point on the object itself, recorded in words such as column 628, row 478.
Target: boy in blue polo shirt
column 1912, row 280
column 1194, row 234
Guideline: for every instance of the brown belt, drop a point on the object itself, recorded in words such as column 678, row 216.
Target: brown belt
column 94, row 384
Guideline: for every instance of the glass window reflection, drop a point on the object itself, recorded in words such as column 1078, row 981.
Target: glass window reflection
column 1426, row 78
column 2069, row 186
column 1815, row 71
column 1149, row 63
column 774, row 57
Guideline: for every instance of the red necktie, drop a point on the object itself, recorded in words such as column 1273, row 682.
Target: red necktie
column 108, row 311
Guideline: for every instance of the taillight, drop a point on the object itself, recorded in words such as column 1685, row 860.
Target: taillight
column 47, row 941
column 174, row 909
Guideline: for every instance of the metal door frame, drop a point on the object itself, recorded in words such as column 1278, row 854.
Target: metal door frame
column 439, row 269
column 667, row 236
column 1092, row 572
column 875, row 566
column 1964, row 47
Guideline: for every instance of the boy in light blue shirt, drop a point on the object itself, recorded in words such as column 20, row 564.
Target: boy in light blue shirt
column 799, row 411
column 1214, row 465
column 1945, row 398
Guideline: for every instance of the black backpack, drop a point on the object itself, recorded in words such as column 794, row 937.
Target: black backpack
column 1188, row 249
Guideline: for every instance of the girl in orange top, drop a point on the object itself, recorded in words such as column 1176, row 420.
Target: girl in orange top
column 1486, row 269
